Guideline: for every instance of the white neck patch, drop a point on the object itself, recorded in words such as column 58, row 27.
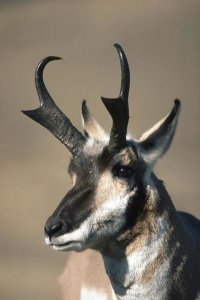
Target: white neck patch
column 94, row 294
column 123, row 272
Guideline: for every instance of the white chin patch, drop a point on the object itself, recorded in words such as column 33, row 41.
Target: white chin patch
column 68, row 246
column 75, row 246
column 47, row 241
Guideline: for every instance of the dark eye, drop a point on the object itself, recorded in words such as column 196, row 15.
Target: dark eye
column 122, row 171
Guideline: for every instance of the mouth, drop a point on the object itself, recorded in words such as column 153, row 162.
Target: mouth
column 67, row 246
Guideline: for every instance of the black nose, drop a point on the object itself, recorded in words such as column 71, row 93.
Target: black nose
column 55, row 228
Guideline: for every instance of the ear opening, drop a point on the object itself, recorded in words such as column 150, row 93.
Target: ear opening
column 91, row 126
column 156, row 141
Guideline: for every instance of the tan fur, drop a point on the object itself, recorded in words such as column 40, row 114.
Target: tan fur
column 136, row 241
column 126, row 157
column 107, row 185
column 88, row 269
column 143, row 225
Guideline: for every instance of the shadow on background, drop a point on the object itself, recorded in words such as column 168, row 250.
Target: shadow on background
column 162, row 43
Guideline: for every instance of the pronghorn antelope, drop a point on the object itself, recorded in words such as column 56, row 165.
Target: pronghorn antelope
column 117, row 206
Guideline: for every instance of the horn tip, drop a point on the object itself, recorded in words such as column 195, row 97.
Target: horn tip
column 176, row 109
column 25, row 112
column 52, row 57
column 119, row 48
column 177, row 102
column 116, row 45
column 55, row 57
column 110, row 103
column 177, row 105
column 105, row 100
column 34, row 114
column 45, row 61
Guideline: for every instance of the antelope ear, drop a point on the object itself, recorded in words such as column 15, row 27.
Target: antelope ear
column 156, row 141
column 91, row 126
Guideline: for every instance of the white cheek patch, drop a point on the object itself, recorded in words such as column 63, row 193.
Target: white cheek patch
column 113, row 207
column 74, row 178
column 111, row 200
column 107, row 219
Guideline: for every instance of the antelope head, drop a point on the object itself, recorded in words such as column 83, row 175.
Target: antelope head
column 108, row 172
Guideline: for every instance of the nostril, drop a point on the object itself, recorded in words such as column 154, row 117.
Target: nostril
column 56, row 227
column 53, row 228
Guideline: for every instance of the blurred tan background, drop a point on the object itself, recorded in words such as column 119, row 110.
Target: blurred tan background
column 162, row 43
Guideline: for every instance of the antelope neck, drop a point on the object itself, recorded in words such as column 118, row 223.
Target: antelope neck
column 140, row 258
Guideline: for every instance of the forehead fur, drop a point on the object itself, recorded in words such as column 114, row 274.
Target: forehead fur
column 126, row 156
column 96, row 148
column 96, row 158
column 88, row 158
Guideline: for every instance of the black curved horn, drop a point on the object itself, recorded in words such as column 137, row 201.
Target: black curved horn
column 51, row 117
column 118, row 107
